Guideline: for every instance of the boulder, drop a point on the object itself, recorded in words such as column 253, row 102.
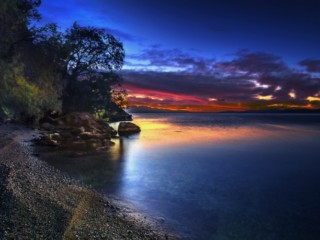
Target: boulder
column 84, row 122
column 79, row 130
column 126, row 128
column 78, row 122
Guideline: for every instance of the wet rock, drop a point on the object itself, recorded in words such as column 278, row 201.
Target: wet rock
column 47, row 126
column 126, row 128
column 46, row 141
column 76, row 144
column 85, row 122
column 78, row 122
column 102, row 149
column 79, row 130
column 90, row 135
column 107, row 142
column 54, row 136
column 76, row 131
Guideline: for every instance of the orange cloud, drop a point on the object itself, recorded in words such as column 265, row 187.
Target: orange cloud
column 267, row 97
column 147, row 94
column 313, row 99
column 292, row 94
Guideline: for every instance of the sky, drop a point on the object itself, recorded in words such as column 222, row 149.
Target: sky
column 209, row 55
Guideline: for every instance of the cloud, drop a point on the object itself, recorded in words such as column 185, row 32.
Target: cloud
column 256, row 62
column 311, row 65
column 186, row 84
column 251, row 79
column 120, row 34
column 175, row 59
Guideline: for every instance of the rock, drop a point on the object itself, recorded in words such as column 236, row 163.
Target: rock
column 46, row 141
column 85, row 122
column 126, row 128
column 101, row 149
column 54, row 136
column 77, row 144
column 90, row 135
column 82, row 129
column 47, row 126
column 116, row 114
column 79, row 130
column 108, row 143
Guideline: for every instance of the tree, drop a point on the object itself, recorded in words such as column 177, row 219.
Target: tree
column 29, row 68
column 91, row 65
column 119, row 97
column 42, row 69
column 15, row 16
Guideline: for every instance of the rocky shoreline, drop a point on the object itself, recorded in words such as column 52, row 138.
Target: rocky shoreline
column 40, row 202
column 82, row 133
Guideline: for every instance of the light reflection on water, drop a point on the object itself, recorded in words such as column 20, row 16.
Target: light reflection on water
column 215, row 176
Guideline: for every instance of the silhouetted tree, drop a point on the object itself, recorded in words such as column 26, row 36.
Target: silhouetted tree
column 26, row 68
column 94, row 56
column 42, row 69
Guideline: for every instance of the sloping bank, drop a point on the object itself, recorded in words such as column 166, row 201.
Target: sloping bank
column 40, row 202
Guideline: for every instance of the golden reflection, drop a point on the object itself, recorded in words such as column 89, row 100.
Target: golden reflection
column 160, row 132
column 116, row 150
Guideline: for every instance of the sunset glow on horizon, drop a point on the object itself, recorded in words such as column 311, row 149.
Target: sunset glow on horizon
column 161, row 100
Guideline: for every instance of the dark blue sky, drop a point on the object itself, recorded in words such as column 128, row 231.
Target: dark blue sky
column 209, row 27
column 238, row 51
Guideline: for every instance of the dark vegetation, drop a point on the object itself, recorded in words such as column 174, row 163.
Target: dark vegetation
column 44, row 70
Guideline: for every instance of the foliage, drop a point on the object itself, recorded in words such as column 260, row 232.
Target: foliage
column 94, row 57
column 91, row 49
column 42, row 69
column 119, row 97
column 29, row 64
column 21, row 93
column 15, row 15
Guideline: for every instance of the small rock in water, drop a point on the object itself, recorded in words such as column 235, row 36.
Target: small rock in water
column 126, row 128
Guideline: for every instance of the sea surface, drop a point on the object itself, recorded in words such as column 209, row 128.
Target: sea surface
column 215, row 176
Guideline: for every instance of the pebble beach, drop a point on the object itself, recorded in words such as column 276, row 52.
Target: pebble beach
column 39, row 202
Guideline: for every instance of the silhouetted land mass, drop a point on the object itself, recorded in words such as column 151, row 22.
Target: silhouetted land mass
column 289, row 110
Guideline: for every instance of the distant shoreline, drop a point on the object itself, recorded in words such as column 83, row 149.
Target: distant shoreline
column 155, row 110
column 38, row 201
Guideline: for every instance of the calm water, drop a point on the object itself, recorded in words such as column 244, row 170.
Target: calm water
column 215, row 176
